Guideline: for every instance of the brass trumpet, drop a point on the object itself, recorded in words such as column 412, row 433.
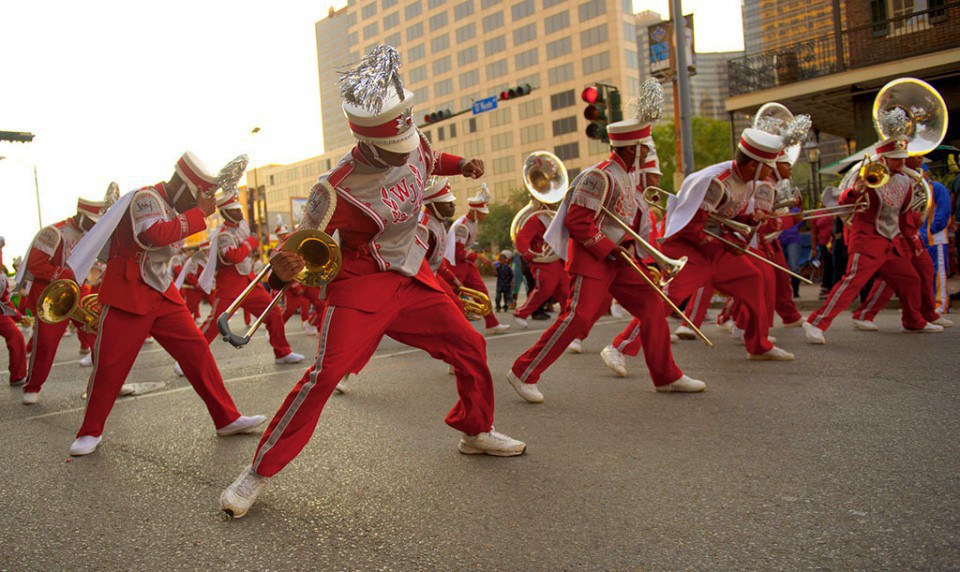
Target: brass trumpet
column 474, row 301
column 874, row 173
column 61, row 300
column 322, row 259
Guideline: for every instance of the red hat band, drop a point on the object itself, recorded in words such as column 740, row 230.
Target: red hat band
column 764, row 155
column 641, row 133
column 894, row 145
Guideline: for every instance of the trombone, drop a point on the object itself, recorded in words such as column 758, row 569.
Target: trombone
column 669, row 268
column 61, row 301
column 321, row 256
column 474, row 301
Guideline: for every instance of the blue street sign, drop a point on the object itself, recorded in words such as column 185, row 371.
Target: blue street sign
column 485, row 104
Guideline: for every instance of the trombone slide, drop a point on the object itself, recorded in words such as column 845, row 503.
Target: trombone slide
column 223, row 322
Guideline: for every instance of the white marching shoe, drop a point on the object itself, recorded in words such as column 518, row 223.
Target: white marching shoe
column 773, row 354
column 491, row 443
column 149, row 340
column 613, row 358
column 674, row 338
column 528, row 391
column 814, row 334
column 617, row 311
column 576, row 346
column 18, row 382
column 943, row 322
column 341, row 387
column 927, row 328
column 178, row 370
column 30, row 398
column 85, row 445
column 241, row 424
column 794, row 324
column 237, row 499
column 684, row 332
column 865, row 325
column 725, row 325
column 310, row 329
column 127, row 389
column 86, row 360
column 498, row 329
column 521, row 322
column 737, row 335
column 683, row 385
column 289, row 358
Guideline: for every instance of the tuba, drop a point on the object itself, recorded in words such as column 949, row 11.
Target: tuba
column 61, row 300
column 924, row 114
column 545, row 177
column 474, row 301
column 773, row 117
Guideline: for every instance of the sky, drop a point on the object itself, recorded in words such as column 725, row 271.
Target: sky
column 117, row 90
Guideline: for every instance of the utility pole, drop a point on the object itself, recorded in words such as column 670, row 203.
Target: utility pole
column 36, row 187
column 682, row 89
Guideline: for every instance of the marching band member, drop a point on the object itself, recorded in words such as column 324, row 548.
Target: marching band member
column 190, row 286
column 461, row 236
column 877, row 246
column 594, row 254
column 46, row 262
column 373, row 197
column 9, row 329
column 934, row 237
column 295, row 297
column 439, row 204
column 143, row 231
column 234, row 272
column 550, row 279
column 881, row 292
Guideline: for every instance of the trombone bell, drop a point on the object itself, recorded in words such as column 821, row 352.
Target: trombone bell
column 61, row 301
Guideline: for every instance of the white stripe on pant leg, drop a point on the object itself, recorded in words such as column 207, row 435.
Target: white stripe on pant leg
column 881, row 287
column 939, row 281
column 634, row 332
column 96, row 354
column 574, row 302
column 846, row 282
column 210, row 319
column 696, row 303
column 35, row 339
column 301, row 395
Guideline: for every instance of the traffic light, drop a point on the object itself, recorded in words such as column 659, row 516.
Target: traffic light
column 515, row 92
column 16, row 136
column 437, row 116
column 596, row 112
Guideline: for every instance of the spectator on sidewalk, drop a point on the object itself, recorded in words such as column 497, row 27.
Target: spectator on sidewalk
column 504, row 281
column 822, row 235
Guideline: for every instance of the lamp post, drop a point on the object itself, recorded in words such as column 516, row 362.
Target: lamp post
column 253, row 198
column 36, row 186
column 812, row 149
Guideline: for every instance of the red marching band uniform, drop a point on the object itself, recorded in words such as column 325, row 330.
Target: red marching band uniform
column 143, row 232
column 436, row 194
column 10, row 331
column 550, row 278
column 45, row 263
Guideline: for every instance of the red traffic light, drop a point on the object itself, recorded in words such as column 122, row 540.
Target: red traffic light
column 594, row 112
column 514, row 92
column 591, row 95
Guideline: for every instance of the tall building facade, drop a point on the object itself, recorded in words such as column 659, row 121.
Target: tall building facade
column 773, row 24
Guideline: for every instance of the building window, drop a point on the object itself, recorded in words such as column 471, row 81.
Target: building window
column 466, row 56
column 453, row 130
column 441, row 133
column 352, row 40
column 556, row 23
column 467, row 32
column 632, row 61
column 495, row 45
column 496, row 69
column 592, row 9
column 502, row 165
column 492, row 22
column 369, row 11
column 416, row 53
column 522, row 9
column 371, row 30
column 417, row 74
column 501, row 141
column 442, row 65
column 562, row 99
column 500, row 116
column 593, row 36
column 271, row 181
column 473, row 148
column 560, row 74
column 427, row 135
column 629, row 31
column 551, row 3
column 531, row 108
column 438, row 21
column 472, row 125
column 484, row 4
column 413, row 10
column 568, row 151
column 469, row 79
column 533, row 79
column 462, row 10
column 431, row 4
column 596, row 63
column 391, row 20
column 439, row 43
column 561, row 47
column 525, row 34
column 531, row 134
column 565, row 125
column 442, row 88
column 468, row 100
column 392, row 40
column 523, row 60
column 414, row 31
column 388, row 3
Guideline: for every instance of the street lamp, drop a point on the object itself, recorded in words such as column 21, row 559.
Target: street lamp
column 812, row 149
column 256, row 210
column 36, row 185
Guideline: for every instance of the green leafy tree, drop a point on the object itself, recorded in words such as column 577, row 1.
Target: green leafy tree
column 711, row 144
column 494, row 232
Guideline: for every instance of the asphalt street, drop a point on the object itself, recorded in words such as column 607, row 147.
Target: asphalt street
column 847, row 458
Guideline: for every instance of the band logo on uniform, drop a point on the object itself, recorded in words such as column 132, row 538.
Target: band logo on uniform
column 402, row 192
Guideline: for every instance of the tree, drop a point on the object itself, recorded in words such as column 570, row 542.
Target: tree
column 711, row 144
column 494, row 232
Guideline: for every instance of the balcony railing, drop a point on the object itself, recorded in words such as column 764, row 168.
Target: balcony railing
column 892, row 39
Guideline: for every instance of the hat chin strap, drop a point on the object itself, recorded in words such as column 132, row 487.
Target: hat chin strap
column 176, row 195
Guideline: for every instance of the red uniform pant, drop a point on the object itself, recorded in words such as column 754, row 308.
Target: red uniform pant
column 783, row 301
column 120, row 336
column 585, row 304
column 768, row 273
column 292, row 303
column 881, row 292
column 45, row 342
column 256, row 302
column 15, row 346
column 550, row 281
column 417, row 316
column 895, row 269
column 467, row 273
column 729, row 274
column 192, row 298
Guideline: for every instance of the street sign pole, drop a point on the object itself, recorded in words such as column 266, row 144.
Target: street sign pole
column 682, row 86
